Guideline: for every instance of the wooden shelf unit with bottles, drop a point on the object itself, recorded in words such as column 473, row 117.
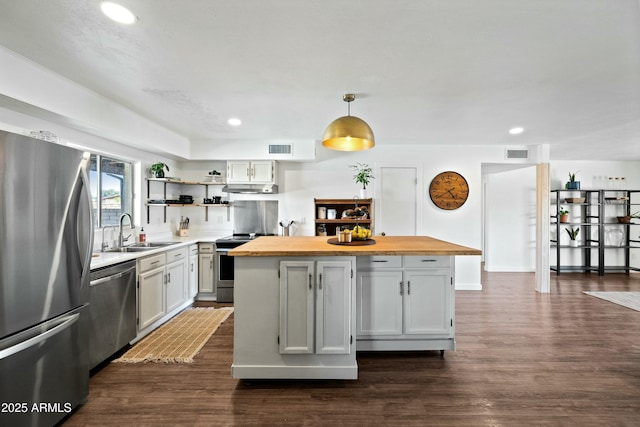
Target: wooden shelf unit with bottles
column 341, row 205
column 597, row 219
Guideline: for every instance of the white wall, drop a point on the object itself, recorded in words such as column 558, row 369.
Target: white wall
column 510, row 211
column 510, row 220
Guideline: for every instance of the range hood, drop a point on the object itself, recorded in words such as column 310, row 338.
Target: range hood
column 251, row 188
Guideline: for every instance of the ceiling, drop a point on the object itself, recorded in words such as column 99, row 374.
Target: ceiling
column 438, row 72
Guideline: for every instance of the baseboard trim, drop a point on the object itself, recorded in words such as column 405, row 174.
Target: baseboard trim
column 468, row 286
column 294, row 372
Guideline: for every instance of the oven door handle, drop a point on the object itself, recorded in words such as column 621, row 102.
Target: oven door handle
column 223, row 250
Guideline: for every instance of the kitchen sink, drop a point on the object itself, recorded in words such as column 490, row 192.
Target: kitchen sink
column 151, row 245
column 130, row 249
column 141, row 247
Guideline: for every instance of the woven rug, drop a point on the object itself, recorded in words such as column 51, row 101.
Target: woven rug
column 627, row 299
column 180, row 339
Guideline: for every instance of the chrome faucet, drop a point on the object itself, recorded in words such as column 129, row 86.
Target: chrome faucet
column 121, row 238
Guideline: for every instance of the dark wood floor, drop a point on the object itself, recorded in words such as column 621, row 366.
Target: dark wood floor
column 523, row 358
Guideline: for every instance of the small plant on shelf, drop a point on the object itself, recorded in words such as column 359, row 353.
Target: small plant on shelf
column 573, row 234
column 572, row 184
column 563, row 214
column 626, row 219
column 158, row 169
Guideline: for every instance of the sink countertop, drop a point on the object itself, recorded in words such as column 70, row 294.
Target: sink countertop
column 103, row 259
column 318, row 246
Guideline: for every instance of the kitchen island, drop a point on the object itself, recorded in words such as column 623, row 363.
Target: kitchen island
column 304, row 306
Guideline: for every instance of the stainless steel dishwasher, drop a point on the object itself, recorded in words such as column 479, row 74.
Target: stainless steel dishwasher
column 113, row 310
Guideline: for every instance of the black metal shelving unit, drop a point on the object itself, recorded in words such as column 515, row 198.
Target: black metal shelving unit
column 596, row 217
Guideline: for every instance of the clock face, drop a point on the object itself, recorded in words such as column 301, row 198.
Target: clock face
column 449, row 190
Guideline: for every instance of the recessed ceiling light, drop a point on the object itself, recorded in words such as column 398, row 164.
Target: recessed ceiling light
column 516, row 130
column 234, row 121
column 118, row 13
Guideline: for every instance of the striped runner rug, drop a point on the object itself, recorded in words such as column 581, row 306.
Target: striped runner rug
column 180, row 339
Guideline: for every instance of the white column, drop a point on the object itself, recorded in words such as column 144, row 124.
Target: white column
column 543, row 275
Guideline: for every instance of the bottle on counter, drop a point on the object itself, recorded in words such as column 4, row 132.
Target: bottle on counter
column 142, row 237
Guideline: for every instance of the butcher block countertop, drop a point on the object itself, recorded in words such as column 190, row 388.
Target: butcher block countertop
column 317, row 246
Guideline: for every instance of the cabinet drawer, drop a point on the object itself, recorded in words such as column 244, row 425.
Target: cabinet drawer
column 152, row 261
column 427, row 261
column 176, row 255
column 193, row 250
column 206, row 248
column 379, row 261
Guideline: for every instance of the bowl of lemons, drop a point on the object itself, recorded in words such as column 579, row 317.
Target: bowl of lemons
column 360, row 233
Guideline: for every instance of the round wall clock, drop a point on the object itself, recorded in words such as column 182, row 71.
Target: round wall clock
column 449, row 190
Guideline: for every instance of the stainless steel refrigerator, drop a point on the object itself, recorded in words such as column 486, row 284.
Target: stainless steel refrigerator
column 46, row 240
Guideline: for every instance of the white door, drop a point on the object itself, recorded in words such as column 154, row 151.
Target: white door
column 427, row 302
column 150, row 297
column 397, row 207
column 193, row 276
column 296, row 307
column 262, row 172
column 176, row 274
column 379, row 303
column 333, row 307
column 238, row 172
column 205, row 273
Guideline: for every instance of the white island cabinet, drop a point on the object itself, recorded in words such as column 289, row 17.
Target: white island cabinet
column 405, row 303
column 294, row 318
column 304, row 306
column 315, row 307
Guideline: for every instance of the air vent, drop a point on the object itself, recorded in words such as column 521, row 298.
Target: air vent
column 279, row 148
column 516, row 154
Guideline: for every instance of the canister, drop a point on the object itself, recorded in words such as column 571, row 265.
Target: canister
column 332, row 213
column 322, row 212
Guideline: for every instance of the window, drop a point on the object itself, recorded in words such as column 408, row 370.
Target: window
column 111, row 189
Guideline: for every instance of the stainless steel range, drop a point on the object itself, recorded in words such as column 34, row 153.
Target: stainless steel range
column 252, row 219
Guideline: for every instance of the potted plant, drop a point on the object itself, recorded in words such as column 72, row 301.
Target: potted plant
column 626, row 219
column 563, row 214
column 572, row 184
column 158, row 169
column 364, row 175
column 573, row 234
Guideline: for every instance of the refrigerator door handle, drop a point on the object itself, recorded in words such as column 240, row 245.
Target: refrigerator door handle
column 59, row 325
column 84, row 224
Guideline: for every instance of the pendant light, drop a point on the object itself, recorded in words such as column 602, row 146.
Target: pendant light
column 348, row 133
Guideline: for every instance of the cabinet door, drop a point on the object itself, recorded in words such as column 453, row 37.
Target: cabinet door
column 428, row 302
column 379, row 303
column 238, row 172
column 150, row 297
column 206, row 276
column 296, row 307
column 333, row 307
column 176, row 280
column 262, row 172
column 193, row 276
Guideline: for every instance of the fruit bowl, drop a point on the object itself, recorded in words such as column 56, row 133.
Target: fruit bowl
column 360, row 233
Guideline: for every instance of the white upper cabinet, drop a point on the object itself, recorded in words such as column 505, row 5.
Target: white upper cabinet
column 251, row 172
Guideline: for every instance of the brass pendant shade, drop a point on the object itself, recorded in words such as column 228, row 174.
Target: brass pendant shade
column 348, row 133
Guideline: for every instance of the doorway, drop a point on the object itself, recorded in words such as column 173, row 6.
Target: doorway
column 398, row 208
